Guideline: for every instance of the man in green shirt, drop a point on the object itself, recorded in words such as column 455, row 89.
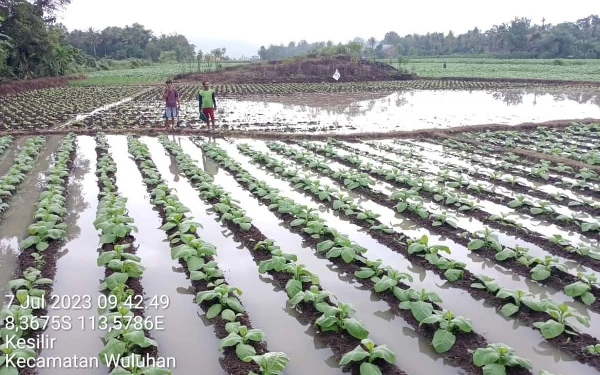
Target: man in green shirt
column 207, row 103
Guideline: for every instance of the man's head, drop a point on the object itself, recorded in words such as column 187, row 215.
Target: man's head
column 206, row 85
column 169, row 84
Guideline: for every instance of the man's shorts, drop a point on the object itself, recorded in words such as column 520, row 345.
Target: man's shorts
column 209, row 113
column 170, row 112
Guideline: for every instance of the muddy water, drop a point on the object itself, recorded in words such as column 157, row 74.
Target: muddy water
column 350, row 292
column 241, row 271
column 524, row 339
column 183, row 335
column 78, row 262
column 15, row 220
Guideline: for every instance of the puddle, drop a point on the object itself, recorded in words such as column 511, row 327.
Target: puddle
column 458, row 301
column 241, row 271
column 77, row 261
column 184, row 336
column 347, row 290
column 15, row 220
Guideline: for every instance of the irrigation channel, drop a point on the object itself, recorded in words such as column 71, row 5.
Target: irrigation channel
column 373, row 257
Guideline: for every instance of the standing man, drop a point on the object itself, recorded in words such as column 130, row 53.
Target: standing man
column 171, row 96
column 207, row 103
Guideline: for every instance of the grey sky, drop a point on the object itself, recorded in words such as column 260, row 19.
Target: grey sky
column 264, row 22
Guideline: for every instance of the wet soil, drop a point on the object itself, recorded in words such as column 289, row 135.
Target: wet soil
column 15, row 87
column 525, row 316
column 458, row 355
column 558, row 280
column 50, row 255
column 482, row 216
column 133, row 283
column 301, row 70
column 230, row 361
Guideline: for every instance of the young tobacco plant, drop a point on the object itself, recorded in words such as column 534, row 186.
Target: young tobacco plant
column 368, row 356
column 558, row 324
column 582, row 288
column 339, row 317
column 222, row 298
column 494, row 358
column 444, row 337
column 241, row 337
column 271, row 363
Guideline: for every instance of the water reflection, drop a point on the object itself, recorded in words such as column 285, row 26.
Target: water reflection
column 373, row 112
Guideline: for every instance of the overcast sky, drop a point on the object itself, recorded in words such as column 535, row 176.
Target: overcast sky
column 264, row 22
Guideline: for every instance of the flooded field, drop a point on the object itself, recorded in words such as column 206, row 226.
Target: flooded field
column 428, row 256
column 365, row 112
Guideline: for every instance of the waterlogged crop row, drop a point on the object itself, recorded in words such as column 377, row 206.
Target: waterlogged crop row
column 5, row 143
column 417, row 307
column 508, row 160
column 128, row 346
column 243, row 345
column 428, row 256
column 583, row 178
column 22, row 317
column 558, row 215
column 546, row 143
column 302, row 287
column 496, row 171
column 46, row 108
column 23, row 163
column 412, row 205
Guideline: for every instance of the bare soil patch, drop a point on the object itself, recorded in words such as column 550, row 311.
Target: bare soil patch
column 36, row 84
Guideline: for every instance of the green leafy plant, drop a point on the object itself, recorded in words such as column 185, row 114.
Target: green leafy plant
column 241, row 337
column 444, row 337
column 367, row 353
column 494, row 359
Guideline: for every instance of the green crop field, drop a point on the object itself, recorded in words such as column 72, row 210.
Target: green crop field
column 565, row 69
column 436, row 253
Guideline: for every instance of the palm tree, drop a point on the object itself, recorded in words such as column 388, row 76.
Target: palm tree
column 93, row 39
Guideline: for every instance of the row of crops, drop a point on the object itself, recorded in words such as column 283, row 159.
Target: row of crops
column 428, row 228
column 78, row 106
column 577, row 142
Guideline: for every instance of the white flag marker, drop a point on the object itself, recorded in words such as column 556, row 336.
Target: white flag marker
column 336, row 75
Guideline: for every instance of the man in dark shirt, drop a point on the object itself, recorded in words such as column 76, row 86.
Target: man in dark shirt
column 171, row 96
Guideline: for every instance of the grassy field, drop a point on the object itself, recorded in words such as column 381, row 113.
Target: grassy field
column 144, row 75
column 584, row 70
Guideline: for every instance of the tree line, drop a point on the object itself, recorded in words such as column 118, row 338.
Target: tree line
column 519, row 38
column 33, row 44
